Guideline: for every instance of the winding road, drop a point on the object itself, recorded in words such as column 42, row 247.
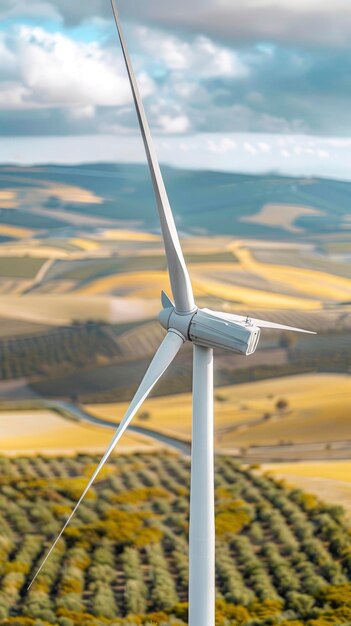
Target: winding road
column 310, row 451
column 72, row 411
column 261, row 454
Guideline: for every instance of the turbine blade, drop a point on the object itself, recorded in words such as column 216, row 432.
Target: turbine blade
column 273, row 325
column 178, row 273
column 232, row 317
column 166, row 301
column 162, row 359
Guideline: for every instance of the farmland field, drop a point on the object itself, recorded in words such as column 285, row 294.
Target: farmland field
column 329, row 480
column 82, row 265
column 45, row 432
column 58, row 310
column 19, row 267
column 317, row 408
column 282, row 557
column 15, row 232
column 283, row 215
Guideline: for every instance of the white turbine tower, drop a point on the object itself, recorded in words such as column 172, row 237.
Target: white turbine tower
column 206, row 329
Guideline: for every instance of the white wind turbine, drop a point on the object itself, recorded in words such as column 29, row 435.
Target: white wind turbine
column 206, row 329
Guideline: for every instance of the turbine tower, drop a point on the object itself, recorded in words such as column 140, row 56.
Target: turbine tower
column 206, row 329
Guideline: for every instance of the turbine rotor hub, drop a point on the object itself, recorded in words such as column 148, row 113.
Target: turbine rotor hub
column 212, row 330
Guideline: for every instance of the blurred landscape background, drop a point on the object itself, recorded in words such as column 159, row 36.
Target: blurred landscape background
column 82, row 265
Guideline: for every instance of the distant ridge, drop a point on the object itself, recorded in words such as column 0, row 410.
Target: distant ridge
column 203, row 201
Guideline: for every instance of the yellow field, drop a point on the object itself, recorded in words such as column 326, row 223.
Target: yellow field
column 43, row 190
column 66, row 193
column 8, row 198
column 252, row 297
column 172, row 414
column 44, row 431
column 53, row 309
column 284, row 287
column 268, row 286
column 36, row 249
column 282, row 215
column 311, row 283
column 330, row 470
column 15, row 231
column 56, row 309
column 318, row 410
column 148, row 285
column 129, row 235
column 328, row 480
column 85, row 244
column 133, row 284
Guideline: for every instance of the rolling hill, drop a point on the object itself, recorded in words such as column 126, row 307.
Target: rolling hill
column 269, row 206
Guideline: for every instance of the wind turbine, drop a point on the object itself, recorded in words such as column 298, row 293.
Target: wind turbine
column 206, row 329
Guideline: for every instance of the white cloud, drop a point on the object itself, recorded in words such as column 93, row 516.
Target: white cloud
column 201, row 57
column 13, row 95
column 222, row 145
column 184, row 90
column 60, row 71
column 218, row 61
column 7, row 57
column 82, row 87
column 323, row 154
column 174, row 125
column 249, row 148
column 52, row 70
column 263, row 146
column 84, row 112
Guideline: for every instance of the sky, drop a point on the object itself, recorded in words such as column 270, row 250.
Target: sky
column 235, row 85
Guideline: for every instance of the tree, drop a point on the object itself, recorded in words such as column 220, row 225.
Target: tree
column 281, row 404
column 144, row 416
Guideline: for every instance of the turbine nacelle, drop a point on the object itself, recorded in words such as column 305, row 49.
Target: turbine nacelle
column 214, row 329
column 211, row 329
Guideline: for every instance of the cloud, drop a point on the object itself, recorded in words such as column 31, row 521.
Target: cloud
column 222, row 145
column 51, row 82
column 52, row 70
column 74, row 82
column 307, row 22
column 174, row 125
column 199, row 57
column 10, row 9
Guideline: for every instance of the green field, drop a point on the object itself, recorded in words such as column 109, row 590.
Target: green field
column 67, row 349
column 95, row 268
column 20, row 267
column 88, row 270
column 282, row 556
column 115, row 378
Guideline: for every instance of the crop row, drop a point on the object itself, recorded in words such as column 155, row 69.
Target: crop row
column 279, row 551
column 67, row 349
